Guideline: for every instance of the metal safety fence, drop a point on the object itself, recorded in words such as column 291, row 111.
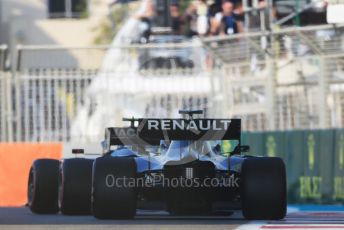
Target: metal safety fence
column 73, row 105
column 289, row 79
column 304, row 94
column 3, row 92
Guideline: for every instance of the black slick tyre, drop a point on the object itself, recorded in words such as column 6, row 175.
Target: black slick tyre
column 112, row 198
column 43, row 186
column 263, row 188
column 75, row 186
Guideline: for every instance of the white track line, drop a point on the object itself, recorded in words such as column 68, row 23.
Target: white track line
column 253, row 225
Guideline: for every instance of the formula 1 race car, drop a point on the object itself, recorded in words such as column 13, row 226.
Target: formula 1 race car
column 177, row 165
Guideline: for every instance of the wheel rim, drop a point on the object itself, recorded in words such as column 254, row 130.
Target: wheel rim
column 31, row 187
column 60, row 188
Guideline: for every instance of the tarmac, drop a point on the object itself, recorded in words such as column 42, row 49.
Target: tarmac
column 298, row 217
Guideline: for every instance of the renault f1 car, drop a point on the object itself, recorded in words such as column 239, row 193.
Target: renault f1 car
column 178, row 165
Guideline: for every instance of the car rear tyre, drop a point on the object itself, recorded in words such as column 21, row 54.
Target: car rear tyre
column 43, row 186
column 112, row 198
column 76, row 186
column 264, row 188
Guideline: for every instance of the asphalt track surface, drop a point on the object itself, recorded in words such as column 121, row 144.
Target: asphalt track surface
column 22, row 218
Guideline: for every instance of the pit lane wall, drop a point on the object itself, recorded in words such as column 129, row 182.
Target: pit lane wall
column 15, row 162
column 314, row 161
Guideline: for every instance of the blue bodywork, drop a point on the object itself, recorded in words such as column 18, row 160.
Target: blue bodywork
column 179, row 153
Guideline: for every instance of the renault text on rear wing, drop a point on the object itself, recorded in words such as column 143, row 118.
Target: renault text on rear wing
column 189, row 129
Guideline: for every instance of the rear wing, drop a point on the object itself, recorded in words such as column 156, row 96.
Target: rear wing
column 120, row 136
column 152, row 131
column 124, row 136
column 189, row 129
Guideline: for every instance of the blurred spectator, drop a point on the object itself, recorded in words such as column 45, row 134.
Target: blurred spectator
column 215, row 21
column 202, row 17
column 229, row 25
column 238, row 12
column 226, row 22
column 215, row 7
column 196, row 16
column 190, row 19
column 176, row 22
column 147, row 18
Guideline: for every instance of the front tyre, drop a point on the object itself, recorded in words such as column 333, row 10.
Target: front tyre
column 112, row 197
column 263, row 188
column 43, row 186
